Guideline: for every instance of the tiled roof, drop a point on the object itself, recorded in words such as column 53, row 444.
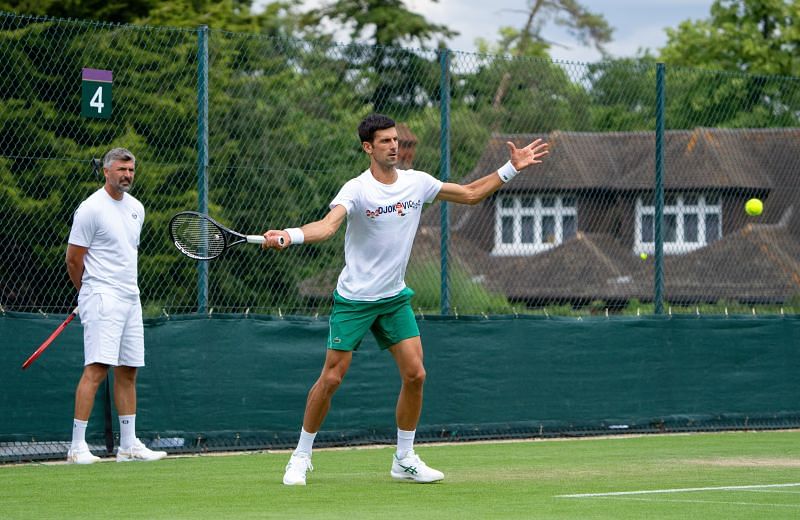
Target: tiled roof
column 699, row 158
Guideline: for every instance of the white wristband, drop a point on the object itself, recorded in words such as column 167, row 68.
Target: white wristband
column 296, row 235
column 507, row 172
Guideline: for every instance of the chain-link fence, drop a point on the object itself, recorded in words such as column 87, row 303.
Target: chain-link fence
column 260, row 133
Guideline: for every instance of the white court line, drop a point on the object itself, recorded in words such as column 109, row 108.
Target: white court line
column 684, row 501
column 771, row 491
column 677, row 490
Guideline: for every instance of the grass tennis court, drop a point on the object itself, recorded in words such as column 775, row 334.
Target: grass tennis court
column 721, row 475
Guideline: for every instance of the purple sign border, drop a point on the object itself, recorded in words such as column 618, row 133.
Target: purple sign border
column 96, row 75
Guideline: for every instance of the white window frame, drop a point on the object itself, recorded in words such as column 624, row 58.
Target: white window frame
column 680, row 209
column 537, row 211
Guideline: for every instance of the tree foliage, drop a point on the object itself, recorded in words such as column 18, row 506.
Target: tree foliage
column 101, row 10
column 623, row 94
column 381, row 22
column 282, row 113
column 757, row 37
column 587, row 27
column 753, row 36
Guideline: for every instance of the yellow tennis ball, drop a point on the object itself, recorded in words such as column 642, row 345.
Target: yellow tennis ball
column 643, row 256
column 754, row 207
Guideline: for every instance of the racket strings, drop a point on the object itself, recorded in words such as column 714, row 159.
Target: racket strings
column 197, row 237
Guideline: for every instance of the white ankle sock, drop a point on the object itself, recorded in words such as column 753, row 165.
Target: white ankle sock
column 306, row 442
column 405, row 441
column 127, row 431
column 78, row 432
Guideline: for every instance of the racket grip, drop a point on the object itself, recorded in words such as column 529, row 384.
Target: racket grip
column 255, row 239
column 258, row 239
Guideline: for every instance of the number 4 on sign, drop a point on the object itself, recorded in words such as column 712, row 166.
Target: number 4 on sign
column 97, row 100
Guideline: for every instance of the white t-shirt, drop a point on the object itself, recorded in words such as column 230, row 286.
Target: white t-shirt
column 382, row 221
column 110, row 229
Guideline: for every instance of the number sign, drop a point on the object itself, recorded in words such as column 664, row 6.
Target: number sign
column 96, row 93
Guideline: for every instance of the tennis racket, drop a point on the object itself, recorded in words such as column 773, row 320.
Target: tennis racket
column 50, row 339
column 201, row 237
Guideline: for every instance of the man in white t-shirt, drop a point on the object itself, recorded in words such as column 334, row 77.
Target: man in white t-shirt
column 102, row 256
column 382, row 207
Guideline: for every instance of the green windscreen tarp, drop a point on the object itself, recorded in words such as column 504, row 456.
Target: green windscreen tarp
column 232, row 380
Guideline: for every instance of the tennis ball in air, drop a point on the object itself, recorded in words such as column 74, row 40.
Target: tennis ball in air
column 754, row 207
column 643, row 256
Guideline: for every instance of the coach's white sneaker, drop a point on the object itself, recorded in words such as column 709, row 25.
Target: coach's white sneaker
column 81, row 455
column 411, row 467
column 299, row 465
column 139, row 452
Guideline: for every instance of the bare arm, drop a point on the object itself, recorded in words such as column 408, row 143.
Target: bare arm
column 471, row 193
column 476, row 191
column 75, row 266
column 314, row 232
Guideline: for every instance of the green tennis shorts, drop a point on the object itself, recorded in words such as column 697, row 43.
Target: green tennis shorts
column 391, row 320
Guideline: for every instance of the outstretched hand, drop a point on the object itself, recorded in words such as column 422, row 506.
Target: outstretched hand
column 523, row 157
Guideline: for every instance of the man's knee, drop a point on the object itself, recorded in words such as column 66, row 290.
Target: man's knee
column 331, row 380
column 125, row 375
column 336, row 365
column 415, row 376
column 94, row 373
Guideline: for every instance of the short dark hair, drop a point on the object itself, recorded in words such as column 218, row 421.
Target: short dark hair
column 372, row 123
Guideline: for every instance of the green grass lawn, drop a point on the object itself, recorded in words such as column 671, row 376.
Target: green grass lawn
column 482, row 480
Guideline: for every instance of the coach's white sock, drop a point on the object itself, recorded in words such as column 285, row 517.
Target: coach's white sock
column 306, row 442
column 405, row 441
column 127, row 431
column 78, row 433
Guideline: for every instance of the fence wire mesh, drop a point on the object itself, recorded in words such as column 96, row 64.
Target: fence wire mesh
column 260, row 132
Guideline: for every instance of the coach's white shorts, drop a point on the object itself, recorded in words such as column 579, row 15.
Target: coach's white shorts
column 113, row 333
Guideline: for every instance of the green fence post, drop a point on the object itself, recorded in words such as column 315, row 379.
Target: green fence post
column 202, row 154
column 658, row 279
column 444, row 173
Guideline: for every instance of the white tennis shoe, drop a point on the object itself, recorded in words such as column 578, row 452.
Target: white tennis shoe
column 81, row 455
column 411, row 467
column 299, row 464
column 139, row 452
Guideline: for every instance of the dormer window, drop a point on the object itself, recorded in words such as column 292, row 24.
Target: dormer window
column 530, row 224
column 691, row 221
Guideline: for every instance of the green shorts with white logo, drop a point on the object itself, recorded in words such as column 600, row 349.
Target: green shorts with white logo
column 391, row 320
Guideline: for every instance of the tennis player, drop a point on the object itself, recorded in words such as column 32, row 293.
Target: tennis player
column 102, row 257
column 382, row 207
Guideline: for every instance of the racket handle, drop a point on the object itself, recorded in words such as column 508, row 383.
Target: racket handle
column 259, row 239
